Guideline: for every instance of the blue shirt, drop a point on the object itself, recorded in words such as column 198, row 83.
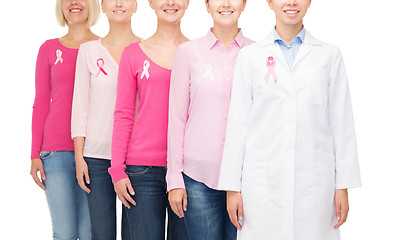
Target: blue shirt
column 290, row 51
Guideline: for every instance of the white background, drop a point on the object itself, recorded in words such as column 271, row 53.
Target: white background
column 367, row 32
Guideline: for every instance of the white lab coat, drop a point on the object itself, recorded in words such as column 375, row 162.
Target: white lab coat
column 290, row 144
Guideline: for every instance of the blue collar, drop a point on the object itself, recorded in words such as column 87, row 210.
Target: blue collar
column 300, row 37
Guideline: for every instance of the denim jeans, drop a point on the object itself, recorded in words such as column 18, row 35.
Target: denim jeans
column 147, row 218
column 102, row 202
column 206, row 217
column 67, row 202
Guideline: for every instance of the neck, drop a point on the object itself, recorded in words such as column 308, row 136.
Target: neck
column 288, row 32
column 169, row 33
column 120, row 34
column 226, row 34
column 78, row 32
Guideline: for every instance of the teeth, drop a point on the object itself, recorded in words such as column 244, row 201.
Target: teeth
column 170, row 11
column 291, row 12
column 119, row 11
column 75, row 10
column 226, row 13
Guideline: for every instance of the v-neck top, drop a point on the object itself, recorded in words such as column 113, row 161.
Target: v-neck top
column 145, row 141
column 54, row 84
column 94, row 99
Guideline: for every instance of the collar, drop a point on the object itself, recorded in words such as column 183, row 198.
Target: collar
column 307, row 38
column 212, row 40
column 300, row 36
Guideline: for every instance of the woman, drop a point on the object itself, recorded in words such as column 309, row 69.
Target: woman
column 52, row 148
column 92, row 116
column 290, row 152
column 139, row 150
column 199, row 100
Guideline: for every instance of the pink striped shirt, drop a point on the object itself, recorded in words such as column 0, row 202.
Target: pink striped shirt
column 200, row 95
column 54, row 85
column 145, row 141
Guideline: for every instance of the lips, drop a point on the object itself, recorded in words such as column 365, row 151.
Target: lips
column 119, row 11
column 291, row 12
column 76, row 10
column 170, row 11
column 226, row 13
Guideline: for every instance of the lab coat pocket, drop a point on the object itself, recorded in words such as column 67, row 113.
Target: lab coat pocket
column 324, row 177
column 253, row 179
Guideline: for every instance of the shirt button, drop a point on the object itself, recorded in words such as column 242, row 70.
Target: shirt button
column 225, row 119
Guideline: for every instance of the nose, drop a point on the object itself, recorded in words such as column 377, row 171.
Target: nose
column 170, row 2
column 292, row 2
column 226, row 3
column 118, row 2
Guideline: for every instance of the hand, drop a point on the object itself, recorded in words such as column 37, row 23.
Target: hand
column 342, row 207
column 120, row 187
column 37, row 165
column 234, row 208
column 178, row 201
column 82, row 173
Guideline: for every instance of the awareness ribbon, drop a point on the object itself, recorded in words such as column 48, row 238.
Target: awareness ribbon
column 59, row 58
column 145, row 72
column 208, row 74
column 100, row 65
column 271, row 63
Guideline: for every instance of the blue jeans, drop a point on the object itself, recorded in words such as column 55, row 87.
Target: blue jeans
column 67, row 202
column 147, row 218
column 102, row 202
column 206, row 216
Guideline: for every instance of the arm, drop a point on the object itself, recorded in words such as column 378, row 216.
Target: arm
column 178, row 116
column 124, row 115
column 40, row 110
column 82, row 173
column 342, row 127
column 79, row 118
column 233, row 157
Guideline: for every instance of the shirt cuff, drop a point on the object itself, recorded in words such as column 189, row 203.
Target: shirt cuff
column 175, row 181
column 348, row 185
column 117, row 173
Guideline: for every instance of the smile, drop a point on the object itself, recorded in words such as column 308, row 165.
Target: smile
column 119, row 11
column 291, row 12
column 75, row 10
column 170, row 10
column 225, row 13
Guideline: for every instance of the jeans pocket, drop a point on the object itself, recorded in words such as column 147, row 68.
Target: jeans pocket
column 46, row 154
column 136, row 170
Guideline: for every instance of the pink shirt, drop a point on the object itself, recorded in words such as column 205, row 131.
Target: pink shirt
column 94, row 99
column 145, row 142
column 54, row 84
column 200, row 95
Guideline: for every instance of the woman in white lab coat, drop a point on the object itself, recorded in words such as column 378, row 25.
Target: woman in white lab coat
column 290, row 152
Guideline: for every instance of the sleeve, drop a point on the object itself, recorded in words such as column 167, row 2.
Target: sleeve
column 178, row 116
column 41, row 103
column 124, row 115
column 342, row 126
column 237, row 127
column 80, row 103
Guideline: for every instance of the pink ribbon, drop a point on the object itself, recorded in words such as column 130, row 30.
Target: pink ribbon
column 100, row 65
column 271, row 64
column 59, row 53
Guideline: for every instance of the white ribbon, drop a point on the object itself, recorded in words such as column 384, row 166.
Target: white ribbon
column 208, row 74
column 146, row 65
column 59, row 58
